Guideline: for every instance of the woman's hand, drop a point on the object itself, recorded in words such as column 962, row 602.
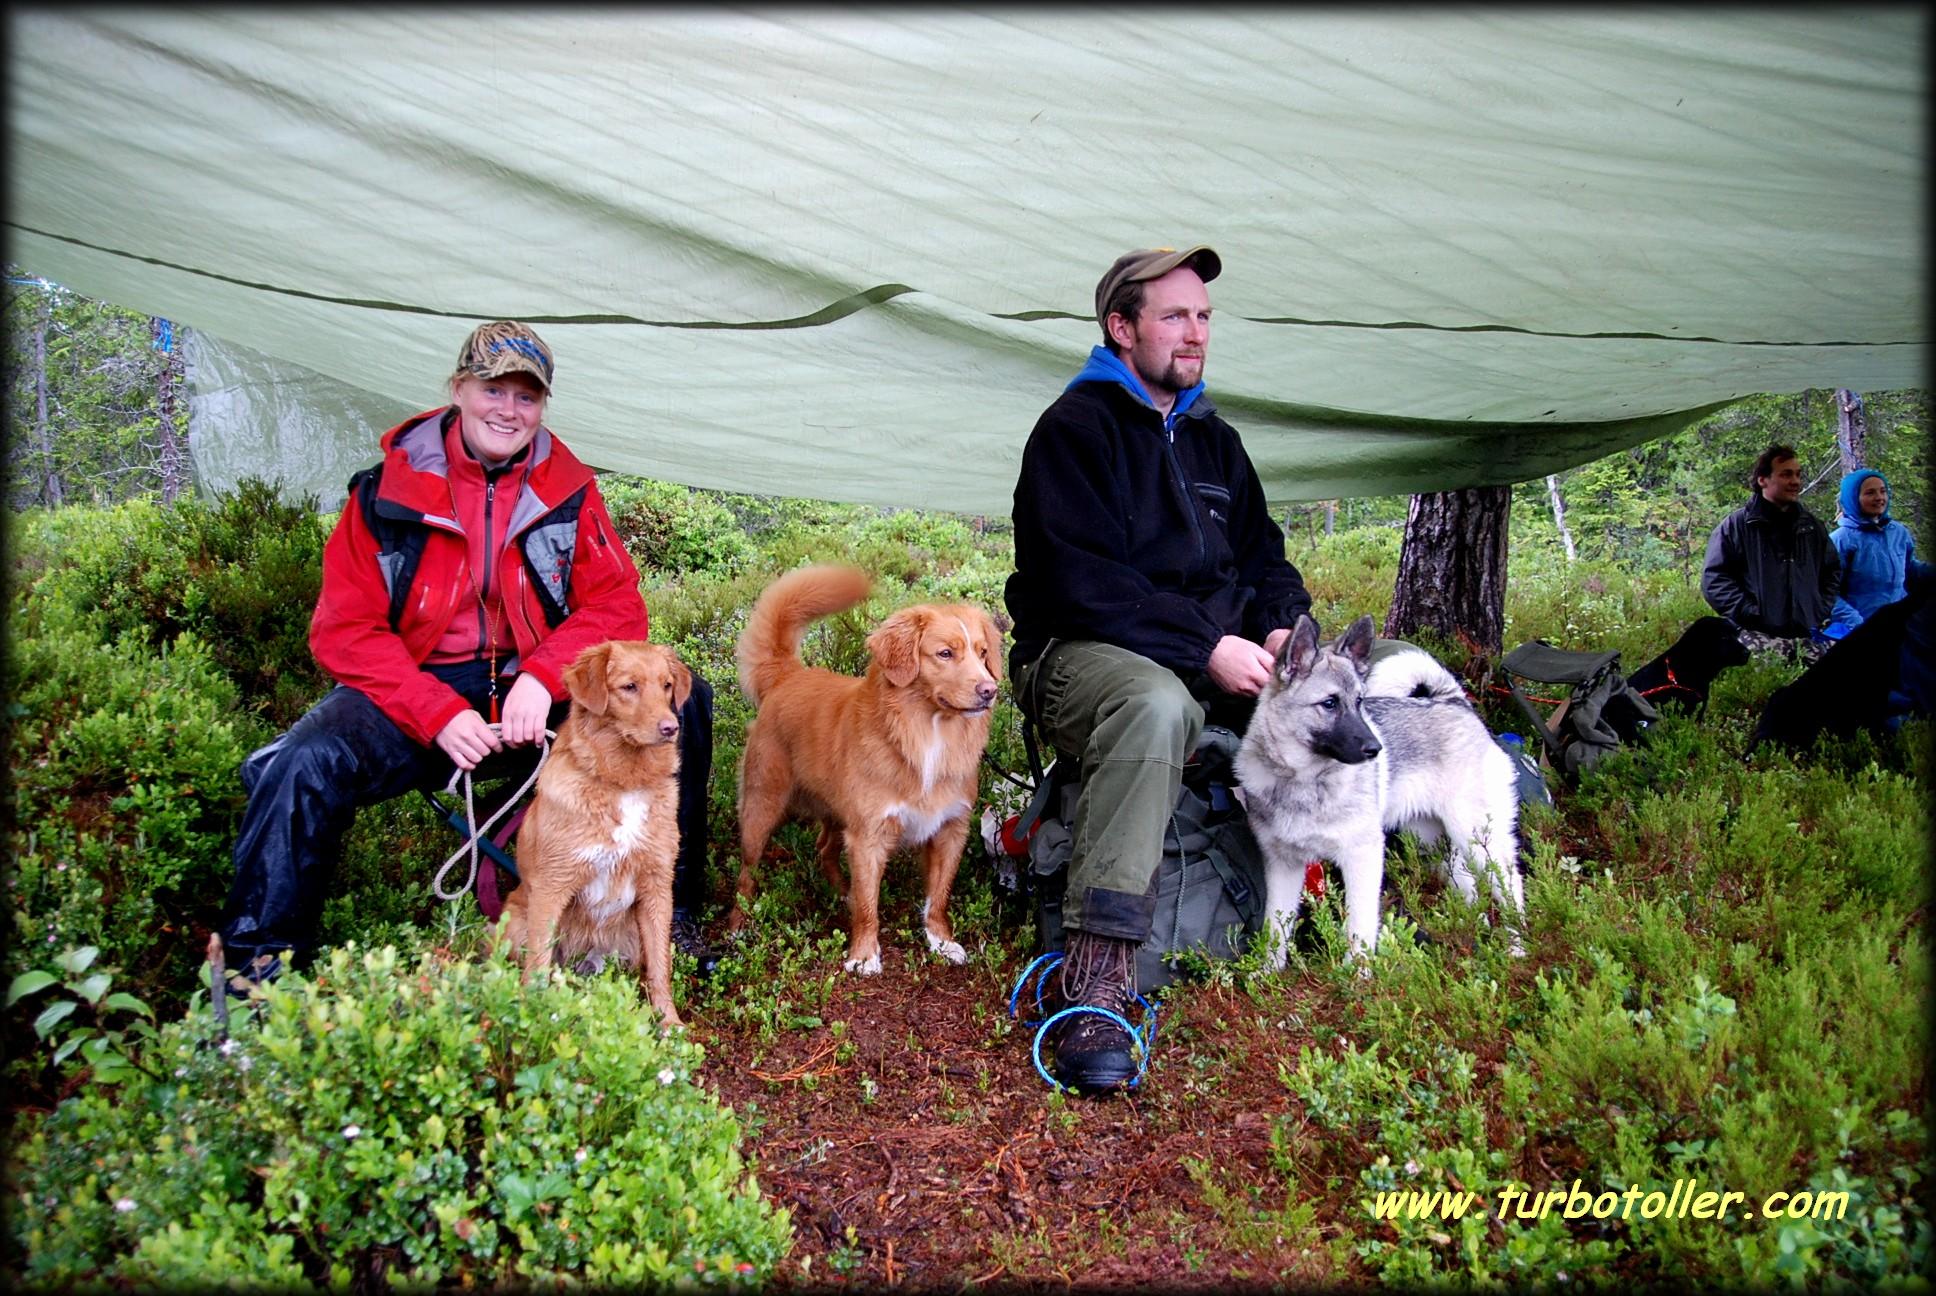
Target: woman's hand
column 468, row 739
column 526, row 708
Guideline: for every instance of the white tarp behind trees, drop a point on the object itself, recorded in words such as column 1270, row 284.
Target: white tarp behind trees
column 853, row 255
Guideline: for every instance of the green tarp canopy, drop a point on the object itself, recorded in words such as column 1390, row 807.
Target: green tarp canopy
column 852, row 255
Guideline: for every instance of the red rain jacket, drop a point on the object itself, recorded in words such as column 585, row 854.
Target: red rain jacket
column 397, row 569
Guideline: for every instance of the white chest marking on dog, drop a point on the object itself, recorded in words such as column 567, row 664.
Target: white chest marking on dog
column 601, row 906
column 931, row 757
column 918, row 826
column 634, row 808
column 600, row 899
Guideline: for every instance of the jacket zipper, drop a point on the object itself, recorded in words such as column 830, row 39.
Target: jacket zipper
column 483, row 593
column 1183, row 491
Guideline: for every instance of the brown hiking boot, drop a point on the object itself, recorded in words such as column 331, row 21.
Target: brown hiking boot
column 1093, row 1054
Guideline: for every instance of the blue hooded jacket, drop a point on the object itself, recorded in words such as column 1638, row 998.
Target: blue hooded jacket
column 1877, row 556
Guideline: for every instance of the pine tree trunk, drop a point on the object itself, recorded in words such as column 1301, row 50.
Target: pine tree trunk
column 174, row 453
column 51, row 492
column 1559, row 514
column 1452, row 569
column 1851, row 430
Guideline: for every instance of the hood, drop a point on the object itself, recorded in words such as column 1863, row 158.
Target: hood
column 416, row 471
column 1851, row 511
column 1105, row 365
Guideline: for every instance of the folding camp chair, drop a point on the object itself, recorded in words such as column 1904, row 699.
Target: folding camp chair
column 495, row 847
column 1597, row 712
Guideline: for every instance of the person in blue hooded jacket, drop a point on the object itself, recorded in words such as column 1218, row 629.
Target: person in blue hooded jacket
column 1150, row 590
column 1877, row 554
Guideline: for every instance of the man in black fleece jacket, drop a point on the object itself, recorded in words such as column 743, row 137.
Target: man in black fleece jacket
column 1150, row 586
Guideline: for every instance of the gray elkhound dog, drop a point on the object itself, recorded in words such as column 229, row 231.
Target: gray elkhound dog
column 1339, row 752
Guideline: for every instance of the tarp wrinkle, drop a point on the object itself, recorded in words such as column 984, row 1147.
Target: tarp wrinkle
column 853, row 255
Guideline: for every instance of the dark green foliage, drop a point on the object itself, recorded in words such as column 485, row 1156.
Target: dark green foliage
column 124, row 811
column 83, row 411
column 241, row 572
column 429, row 1116
column 667, row 527
column 151, row 648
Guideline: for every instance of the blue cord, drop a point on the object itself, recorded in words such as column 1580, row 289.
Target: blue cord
column 1143, row 1038
column 1045, row 962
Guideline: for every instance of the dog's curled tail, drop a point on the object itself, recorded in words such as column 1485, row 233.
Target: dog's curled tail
column 1415, row 673
column 769, row 648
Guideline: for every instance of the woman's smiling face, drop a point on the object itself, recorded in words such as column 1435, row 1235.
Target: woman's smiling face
column 1873, row 498
column 500, row 415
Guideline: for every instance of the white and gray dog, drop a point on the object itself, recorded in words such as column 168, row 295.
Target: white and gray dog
column 1339, row 752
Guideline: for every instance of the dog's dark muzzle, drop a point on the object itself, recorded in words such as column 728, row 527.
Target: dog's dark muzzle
column 1352, row 744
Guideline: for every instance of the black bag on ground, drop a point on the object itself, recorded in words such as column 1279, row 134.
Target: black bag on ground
column 1209, row 885
column 1859, row 683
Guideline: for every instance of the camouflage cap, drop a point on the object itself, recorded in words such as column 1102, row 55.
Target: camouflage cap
column 505, row 347
column 1152, row 263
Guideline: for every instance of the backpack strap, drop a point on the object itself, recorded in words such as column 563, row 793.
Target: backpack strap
column 1025, row 704
column 399, row 539
column 1233, row 836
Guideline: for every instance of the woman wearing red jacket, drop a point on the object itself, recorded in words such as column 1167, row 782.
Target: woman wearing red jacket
column 466, row 572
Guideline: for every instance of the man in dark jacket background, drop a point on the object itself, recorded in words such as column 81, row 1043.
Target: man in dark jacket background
column 1771, row 570
column 1150, row 587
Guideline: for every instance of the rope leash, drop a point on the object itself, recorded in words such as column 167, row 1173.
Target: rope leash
column 470, row 818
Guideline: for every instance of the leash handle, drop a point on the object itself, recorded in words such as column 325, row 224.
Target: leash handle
column 470, row 818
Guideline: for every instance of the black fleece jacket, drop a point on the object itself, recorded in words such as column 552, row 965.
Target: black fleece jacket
column 1126, row 536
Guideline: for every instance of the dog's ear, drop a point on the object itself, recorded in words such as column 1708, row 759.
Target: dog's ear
column 1356, row 644
column 991, row 642
column 585, row 677
column 897, row 647
column 1299, row 649
column 681, row 679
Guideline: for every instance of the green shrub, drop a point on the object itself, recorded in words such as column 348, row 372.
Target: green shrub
column 125, row 808
column 241, row 572
column 673, row 528
column 81, row 1012
column 435, row 1120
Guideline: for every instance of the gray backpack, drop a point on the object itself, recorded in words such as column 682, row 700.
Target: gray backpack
column 1209, row 885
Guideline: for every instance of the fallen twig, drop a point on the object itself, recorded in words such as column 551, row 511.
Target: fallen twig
column 802, row 1070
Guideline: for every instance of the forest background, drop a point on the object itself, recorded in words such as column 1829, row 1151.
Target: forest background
column 98, row 413
column 1726, row 979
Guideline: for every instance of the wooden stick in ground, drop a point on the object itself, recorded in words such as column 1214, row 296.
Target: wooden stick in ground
column 218, row 988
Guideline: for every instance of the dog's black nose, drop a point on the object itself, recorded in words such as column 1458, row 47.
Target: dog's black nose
column 1371, row 748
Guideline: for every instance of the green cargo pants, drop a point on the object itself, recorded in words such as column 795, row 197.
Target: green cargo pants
column 1130, row 724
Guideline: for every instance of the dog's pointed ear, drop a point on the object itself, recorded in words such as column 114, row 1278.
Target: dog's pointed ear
column 992, row 645
column 1356, row 644
column 1299, row 649
column 896, row 645
column 681, row 679
column 585, row 677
